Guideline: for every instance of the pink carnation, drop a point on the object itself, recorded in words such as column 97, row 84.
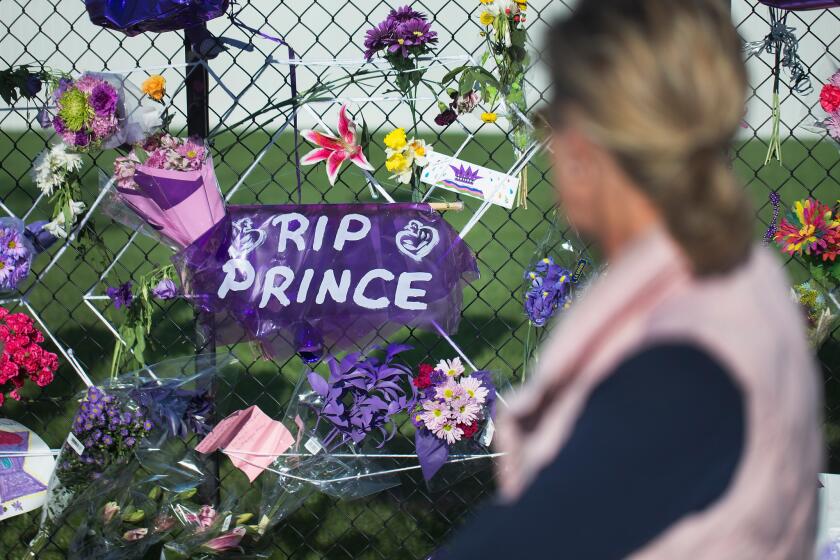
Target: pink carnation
column 86, row 84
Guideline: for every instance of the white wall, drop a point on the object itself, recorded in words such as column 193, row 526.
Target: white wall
column 58, row 36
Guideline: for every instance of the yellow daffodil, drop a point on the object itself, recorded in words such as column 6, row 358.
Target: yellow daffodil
column 396, row 139
column 154, row 86
column 486, row 18
column 489, row 117
column 397, row 163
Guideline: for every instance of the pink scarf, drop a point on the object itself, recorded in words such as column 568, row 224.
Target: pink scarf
column 746, row 321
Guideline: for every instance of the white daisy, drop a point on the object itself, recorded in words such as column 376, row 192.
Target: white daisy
column 474, row 388
column 452, row 368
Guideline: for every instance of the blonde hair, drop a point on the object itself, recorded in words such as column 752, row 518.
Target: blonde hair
column 661, row 85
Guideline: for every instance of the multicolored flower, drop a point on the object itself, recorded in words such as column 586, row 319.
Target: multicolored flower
column 810, row 228
column 335, row 151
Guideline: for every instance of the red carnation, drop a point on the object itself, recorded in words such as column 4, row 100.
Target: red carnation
column 469, row 431
column 422, row 381
column 426, row 369
column 830, row 98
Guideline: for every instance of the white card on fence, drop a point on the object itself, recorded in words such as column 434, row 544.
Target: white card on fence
column 460, row 176
column 313, row 446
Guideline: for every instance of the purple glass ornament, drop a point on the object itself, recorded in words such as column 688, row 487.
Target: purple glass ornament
column 133, row 17
column 796, row 5
column 309, row 344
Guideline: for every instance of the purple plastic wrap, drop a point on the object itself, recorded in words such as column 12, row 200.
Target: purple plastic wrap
column 795, row 5
column 327, row 275
column 133, row 17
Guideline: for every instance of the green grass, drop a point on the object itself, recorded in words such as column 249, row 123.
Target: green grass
column 401, row 522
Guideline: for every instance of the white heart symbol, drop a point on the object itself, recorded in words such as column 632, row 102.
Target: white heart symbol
column 246, row 238
column 416, row 240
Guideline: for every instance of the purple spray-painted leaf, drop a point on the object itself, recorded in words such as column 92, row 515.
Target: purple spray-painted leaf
column 318, row 384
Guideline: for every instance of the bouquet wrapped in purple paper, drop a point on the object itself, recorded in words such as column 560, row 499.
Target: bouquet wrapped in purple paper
column 171, row 185
column 302, row 278
column 144, row 410
column 99, row 110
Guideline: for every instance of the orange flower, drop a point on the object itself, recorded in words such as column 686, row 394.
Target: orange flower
column 154, row 86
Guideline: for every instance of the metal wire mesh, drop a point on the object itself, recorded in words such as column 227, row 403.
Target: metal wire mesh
column 407, row 521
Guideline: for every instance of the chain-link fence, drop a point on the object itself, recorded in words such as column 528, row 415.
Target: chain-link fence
column 255, row 164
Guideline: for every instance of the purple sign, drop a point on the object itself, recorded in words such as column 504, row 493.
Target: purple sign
column 301, row 278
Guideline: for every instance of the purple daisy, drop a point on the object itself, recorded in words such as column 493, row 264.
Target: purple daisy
column 379, row 37
column 405, row 13
column 416, row 33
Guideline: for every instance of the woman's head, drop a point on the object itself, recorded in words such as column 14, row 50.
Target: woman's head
column 648, row 95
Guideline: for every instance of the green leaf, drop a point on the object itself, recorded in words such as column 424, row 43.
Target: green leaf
column 452, row 74
column 442, row 107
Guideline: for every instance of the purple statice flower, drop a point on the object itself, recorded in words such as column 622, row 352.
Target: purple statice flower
column 363, row 394
column 105, row 442
column 103, row 99
column 165, row 289
column 121, row 296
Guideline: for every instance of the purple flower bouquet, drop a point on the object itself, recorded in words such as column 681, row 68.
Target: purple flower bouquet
column 344, row 422
column 455, row 410
column 121, row 421
column 19, row 244
column 173, row 188
column 100, row 111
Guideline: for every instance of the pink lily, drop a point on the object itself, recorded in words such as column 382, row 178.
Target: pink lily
column 335, row 150
column 226, row 541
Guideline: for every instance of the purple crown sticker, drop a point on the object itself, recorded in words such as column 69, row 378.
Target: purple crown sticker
column 465, row 175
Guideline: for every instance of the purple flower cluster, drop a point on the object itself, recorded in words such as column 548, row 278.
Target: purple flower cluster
column 363, row 394
column 107, row 429
column 121, row 296
column 549, row 289
column 15, row 257
column 404, row 33
column 86, row 111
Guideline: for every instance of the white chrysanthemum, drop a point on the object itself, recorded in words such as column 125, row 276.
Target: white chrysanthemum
column 63, row 159
column 452, row 368
column 77, row 208
column 475, row 389
column 56, row 227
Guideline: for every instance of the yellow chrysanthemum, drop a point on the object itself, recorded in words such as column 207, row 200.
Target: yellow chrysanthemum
column 489, row 117
column 397, row 163
column 396, row 139
column 486, row 18
column 154, row 86
column 485, row 2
